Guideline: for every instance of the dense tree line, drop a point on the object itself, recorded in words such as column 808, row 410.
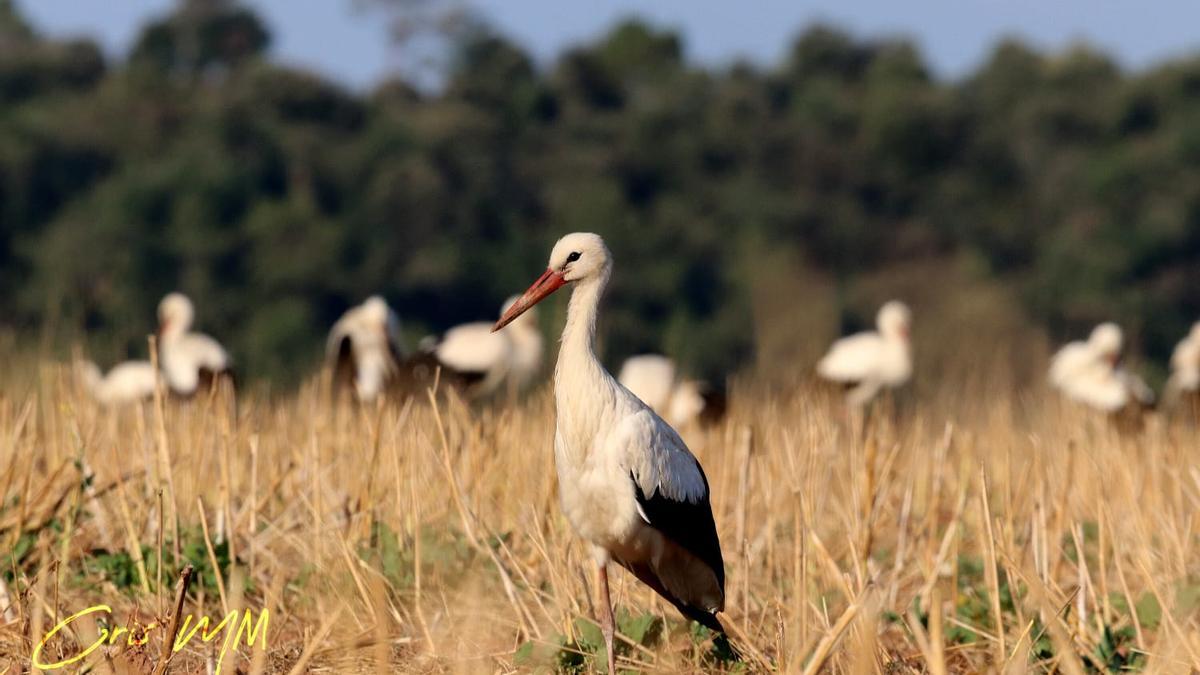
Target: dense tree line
column 277, row 199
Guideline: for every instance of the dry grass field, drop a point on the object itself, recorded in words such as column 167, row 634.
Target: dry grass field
column 967, row 528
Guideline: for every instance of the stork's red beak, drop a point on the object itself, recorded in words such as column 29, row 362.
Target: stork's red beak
column 546, row 284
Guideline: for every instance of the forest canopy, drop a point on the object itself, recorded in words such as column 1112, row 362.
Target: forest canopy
column 277, row 199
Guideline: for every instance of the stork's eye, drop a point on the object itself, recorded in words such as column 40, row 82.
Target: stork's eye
column 573, row 257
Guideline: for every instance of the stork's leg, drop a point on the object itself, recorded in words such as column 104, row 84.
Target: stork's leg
column 606, row 616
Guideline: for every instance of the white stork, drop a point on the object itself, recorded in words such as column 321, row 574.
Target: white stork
column 869, row 361
column 1185, row 366
column 527, row 347
column 694, row 400
column 652, row 378
column 188, row 360
column 487, row 359
column 126, row 382
column 1087, row 372
column 365, row 349
column 628, row 483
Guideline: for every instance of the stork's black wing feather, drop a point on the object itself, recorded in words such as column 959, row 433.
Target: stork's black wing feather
column 343, row 364
column 688, row 524
column 716, row 403
column 419, row 369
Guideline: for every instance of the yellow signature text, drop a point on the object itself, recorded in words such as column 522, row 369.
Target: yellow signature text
column 234, row 631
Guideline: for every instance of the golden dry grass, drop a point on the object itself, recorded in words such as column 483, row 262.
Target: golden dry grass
column 418, row 538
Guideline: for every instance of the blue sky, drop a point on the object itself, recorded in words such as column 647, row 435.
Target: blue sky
column 343, row 42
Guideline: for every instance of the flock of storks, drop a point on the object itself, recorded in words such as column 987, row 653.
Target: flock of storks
column 627, row 482
column 366, row 356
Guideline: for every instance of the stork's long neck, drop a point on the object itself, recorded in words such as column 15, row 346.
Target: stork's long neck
column 579, row 373
column 175, row 329
column 579, row 334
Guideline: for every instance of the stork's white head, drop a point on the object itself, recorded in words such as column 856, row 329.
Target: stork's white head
column 1106, row 340
column 894, row 320
column 376, row 311
column 175, row 315
column 577, row 257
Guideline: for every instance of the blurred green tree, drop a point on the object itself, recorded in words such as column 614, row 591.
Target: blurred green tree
column 278, row 199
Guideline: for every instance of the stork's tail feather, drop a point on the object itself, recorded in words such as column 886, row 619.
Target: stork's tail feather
column 724, row 647
column 709, row 620
column 706, row 619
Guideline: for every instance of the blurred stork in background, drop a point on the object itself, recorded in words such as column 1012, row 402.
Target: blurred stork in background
column 482, row 361
column 365, row 349
column 1088, row 372
column 653, row 379
column 527, row 347
column 126, row 382
column 1182, row 392
column 867, row 362
column 189, row 361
